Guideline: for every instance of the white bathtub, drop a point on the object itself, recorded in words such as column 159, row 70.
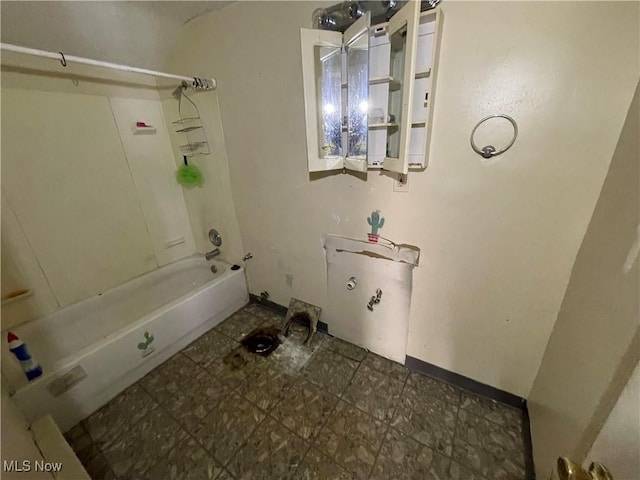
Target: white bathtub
column 100, row 336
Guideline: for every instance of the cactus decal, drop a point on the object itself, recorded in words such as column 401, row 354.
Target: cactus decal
column 376, row 222
column 145, row 346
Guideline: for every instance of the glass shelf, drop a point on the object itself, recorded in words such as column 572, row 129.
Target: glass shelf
column 393, row 83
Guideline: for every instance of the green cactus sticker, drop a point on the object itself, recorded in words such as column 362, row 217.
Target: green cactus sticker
column 376, row 222
column 147, row 341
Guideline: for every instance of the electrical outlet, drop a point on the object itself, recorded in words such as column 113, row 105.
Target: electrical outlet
column 401, row 183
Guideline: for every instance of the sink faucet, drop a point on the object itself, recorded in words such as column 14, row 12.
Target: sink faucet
column 213, row 253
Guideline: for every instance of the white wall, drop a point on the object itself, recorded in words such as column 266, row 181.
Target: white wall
column 86, row 204
column 498, row 238
column 618, row 444
column 133, row 33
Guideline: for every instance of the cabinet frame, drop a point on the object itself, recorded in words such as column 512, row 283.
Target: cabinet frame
column 406, row 18
column 432, row 74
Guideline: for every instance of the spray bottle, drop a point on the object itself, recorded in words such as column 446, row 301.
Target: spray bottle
column 29, row 364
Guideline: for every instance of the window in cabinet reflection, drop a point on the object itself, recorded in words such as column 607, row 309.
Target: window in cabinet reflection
column 329, row 81
column 398, row 41
column 358, row 95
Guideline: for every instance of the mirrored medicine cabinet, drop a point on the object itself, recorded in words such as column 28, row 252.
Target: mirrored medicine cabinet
column 368, row 92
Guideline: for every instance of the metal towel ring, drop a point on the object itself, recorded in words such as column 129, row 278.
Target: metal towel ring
column 490, row 151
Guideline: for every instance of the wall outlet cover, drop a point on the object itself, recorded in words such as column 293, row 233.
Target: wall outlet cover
column 401, row 183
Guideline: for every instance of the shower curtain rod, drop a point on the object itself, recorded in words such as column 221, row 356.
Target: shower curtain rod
column 195, row 82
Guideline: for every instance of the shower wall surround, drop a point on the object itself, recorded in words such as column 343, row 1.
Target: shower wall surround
column 87, row 202
column 210, row 205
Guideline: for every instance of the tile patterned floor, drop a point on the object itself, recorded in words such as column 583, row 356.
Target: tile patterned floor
column 332, row 411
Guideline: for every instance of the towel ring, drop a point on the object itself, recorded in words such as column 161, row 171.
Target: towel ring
column 490, row 151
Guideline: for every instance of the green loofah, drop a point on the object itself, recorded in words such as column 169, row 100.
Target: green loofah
column 189, row 175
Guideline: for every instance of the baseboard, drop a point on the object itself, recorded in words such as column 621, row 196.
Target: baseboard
column 276, row 307
column 465, row 383
column 529, row 466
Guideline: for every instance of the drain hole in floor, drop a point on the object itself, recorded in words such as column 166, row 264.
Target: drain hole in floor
column 262, row 341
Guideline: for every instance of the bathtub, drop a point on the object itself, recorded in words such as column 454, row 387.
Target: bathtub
column 94, row 349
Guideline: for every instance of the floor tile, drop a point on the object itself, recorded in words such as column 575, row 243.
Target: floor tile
column 265, row 314
column 225, row 429
column 99, row 468
column 195, row 398
column 209, row 347
column 374, row 392
column 320, row 340
column 266, row 386
column 252, row 308
column 224, row 475
column 271, row 452
column 178, row 366
column 427, row 419
column 328, row 411
column 503, row 415
column 82, row 444
column 403, row 458
column 351, row 438
column 118, row 453
column 493, row 451
column 330, row 371
column 346, row 349
column 317, row 466
column 186, row 461
column 430, row 386
column 235, row 366
column 460, row 472
column 140, row 446
column 384, row 365
column 164, row 382
column 127, row 408
column 239, row 325
column 305, row 409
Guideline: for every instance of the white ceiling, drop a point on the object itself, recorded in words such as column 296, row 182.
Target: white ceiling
column 137, row 33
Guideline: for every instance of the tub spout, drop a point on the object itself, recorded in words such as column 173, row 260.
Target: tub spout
column 213, row 253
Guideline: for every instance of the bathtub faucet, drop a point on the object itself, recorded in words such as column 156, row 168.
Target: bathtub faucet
column 213, row 253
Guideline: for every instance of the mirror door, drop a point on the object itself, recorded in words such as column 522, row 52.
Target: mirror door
column 356, row 45
column 322, row 80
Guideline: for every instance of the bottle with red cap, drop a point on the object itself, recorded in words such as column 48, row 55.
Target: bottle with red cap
column 29, row 364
